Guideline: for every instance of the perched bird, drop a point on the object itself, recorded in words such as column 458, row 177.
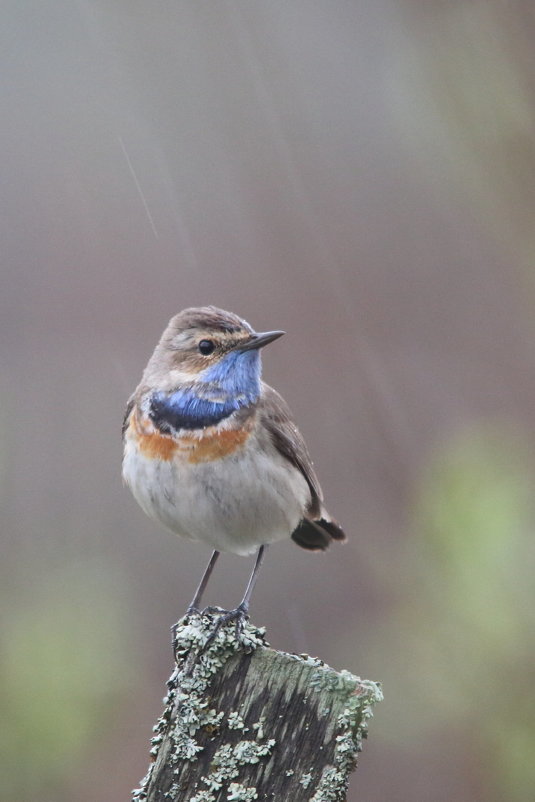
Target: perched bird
column 212, row 452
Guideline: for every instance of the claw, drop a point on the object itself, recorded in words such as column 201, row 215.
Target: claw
column 240, row 615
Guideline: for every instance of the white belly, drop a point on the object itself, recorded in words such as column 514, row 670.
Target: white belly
column 233, row 504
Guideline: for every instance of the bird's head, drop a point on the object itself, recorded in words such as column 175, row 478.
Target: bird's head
column 208, row 348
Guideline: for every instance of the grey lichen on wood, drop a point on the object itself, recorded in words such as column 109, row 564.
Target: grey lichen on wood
column 244, row 722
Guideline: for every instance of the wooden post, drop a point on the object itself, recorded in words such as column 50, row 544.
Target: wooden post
column 244, row 722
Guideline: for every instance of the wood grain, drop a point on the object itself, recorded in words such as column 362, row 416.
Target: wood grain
column 244, row 722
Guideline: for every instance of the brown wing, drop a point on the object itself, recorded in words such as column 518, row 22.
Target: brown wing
column 288, row 440
column 317, row 528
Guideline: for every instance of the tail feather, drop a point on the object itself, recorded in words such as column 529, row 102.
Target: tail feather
column 317, row 535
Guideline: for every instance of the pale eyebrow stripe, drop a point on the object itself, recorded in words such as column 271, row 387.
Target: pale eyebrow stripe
column 184, row 338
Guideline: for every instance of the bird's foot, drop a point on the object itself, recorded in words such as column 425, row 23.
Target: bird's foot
column 239, row 615
column 219, row 618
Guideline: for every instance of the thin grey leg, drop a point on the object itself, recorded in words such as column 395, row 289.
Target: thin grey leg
column 241, row 613
column 194, row 606
column 244, row 604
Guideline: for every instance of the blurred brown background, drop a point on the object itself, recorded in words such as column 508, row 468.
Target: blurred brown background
column 360, row 174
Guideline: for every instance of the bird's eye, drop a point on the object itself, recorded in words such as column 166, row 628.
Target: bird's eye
column 206, row 347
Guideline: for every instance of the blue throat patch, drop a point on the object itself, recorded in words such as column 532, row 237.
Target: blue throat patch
column 229, row 385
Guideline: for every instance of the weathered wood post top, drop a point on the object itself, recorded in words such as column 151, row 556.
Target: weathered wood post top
column 244, row 722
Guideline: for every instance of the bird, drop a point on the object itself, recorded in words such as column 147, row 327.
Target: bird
column 213, row 453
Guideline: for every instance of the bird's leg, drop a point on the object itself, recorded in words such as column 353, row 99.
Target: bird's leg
column 194, row 605
column 240, row 613
column 244, row 604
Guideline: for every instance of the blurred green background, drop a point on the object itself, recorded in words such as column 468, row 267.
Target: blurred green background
column 360, row 174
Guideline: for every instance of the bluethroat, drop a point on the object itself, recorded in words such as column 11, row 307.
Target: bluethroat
column 212, row 452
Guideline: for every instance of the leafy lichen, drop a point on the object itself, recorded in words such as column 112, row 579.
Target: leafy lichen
column 235, row 721
column 199, row 656
column 306, row 779
column 239, row 793
column 345, row 701
column 226, row 765
column 352, row 727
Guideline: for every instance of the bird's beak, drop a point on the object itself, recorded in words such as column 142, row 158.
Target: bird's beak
column 258, row 340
